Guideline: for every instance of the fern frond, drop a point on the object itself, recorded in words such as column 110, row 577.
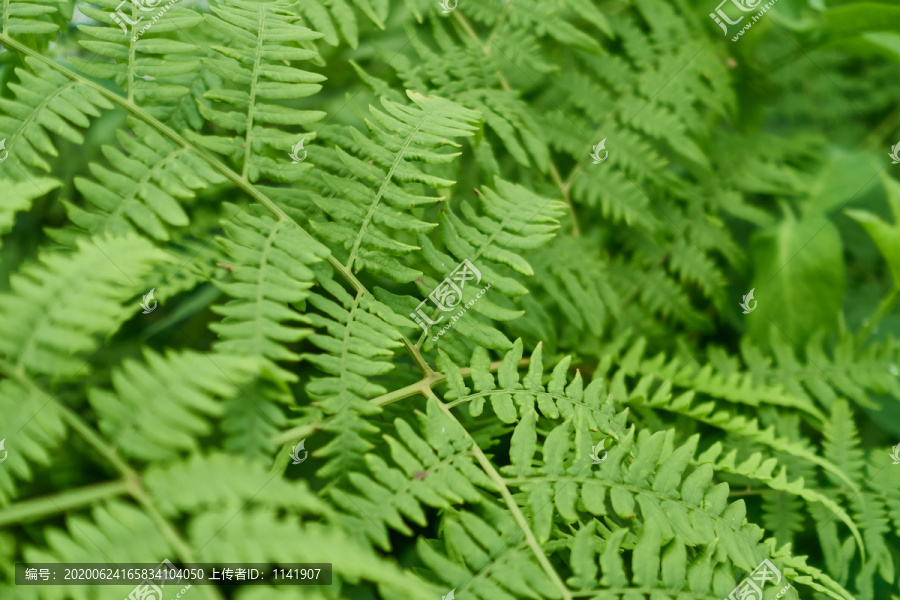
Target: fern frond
column 869, row 509
column 754, row 467
column 256, row 534
column 339, row 14
column 694, row 266
column 144, row 189
column 826, row 372
column 563, row 21
column 709, row 413
column 46, row 102
column 271, row 268
column 31, row 17
column 58, row 307
column 53, row 315
column 259, row 38
column 433, row 469
column 18, row 196
column 157, row 72
column 783, row 516
column 270, row 271
column 225, row 531
column 228, row 482
column 669, row 500
column 472, row 79
column 38, row 429
column 184, row 390
column 574, row 275
column 357, row 336
column 511, row 220
column 293, row 298
column 661, row 294
column 115, row 528
column 361, row 195
column 484, row 557
column 557, row 397
column 620, row 199
column 735, row 386
column 842, row 442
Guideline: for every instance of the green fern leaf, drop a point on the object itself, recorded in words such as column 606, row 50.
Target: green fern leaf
column 19, row 195
column 186, row 389
column 379, row 192
column 46, row 102
column 160, row 73
column 259, row 37
column 58, row 307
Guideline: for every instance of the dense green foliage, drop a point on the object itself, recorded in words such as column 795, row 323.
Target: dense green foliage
column 293, row 178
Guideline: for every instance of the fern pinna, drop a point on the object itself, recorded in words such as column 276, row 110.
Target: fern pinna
column 373, row 232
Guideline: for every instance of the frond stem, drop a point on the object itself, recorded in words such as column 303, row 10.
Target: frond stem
column 512, row 507
column 132, row 59
column 564, row 188
column 39, row 508
column 251, row 106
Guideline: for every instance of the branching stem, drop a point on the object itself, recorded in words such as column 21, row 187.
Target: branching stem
column 423, row 387
column 131, row 478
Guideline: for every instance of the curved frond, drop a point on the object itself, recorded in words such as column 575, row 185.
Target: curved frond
column 160, row 406
column 370, row 193
column 59, row 306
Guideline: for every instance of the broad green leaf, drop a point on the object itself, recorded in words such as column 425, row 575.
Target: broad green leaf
column 799, row 278
column 885, row 235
